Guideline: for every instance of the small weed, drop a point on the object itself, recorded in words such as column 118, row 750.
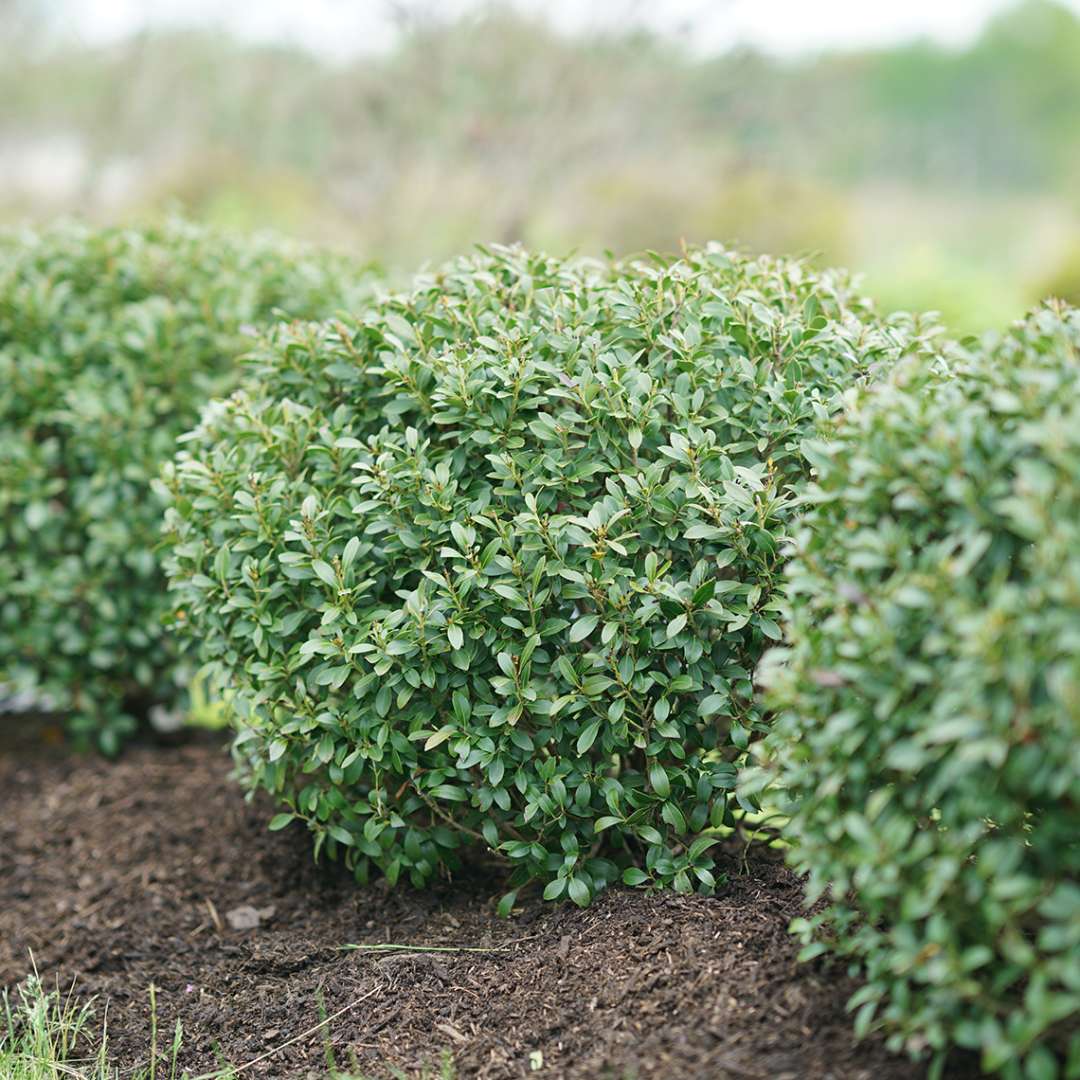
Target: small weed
column 42, row 1033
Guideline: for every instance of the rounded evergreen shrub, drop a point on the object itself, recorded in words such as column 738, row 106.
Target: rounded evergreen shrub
column 110, row 342
column 929, row 735
column 495, row 562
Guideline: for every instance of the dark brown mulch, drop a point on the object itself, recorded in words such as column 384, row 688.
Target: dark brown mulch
column 123, row 874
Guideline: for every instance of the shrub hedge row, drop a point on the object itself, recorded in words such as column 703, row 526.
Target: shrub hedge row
column 110, row 342
column 506, row 560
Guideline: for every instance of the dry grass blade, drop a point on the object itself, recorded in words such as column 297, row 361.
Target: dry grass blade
column 387, row 946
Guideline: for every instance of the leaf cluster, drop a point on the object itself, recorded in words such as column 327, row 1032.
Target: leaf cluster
column 494, row 562
column 930, row 700
column 110, row 342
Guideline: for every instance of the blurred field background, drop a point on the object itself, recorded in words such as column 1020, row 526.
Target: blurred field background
column 948, row 174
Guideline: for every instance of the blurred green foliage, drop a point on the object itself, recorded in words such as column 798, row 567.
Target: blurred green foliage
column 948, row 173
column 1064, row 281
column 111, row 341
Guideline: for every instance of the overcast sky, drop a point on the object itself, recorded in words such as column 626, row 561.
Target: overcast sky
column 344, row 27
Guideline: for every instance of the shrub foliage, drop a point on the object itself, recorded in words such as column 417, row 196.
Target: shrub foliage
column 495, row 562
column 110, row 341
column 930, row 734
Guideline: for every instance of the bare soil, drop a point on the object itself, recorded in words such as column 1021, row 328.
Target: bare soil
column 126, row 874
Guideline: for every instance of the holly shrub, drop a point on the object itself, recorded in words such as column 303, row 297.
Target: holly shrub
column 929, row 741
column 110, row 342
column 495, row 562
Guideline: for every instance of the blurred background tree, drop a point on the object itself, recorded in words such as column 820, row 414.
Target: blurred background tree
column 950, row 175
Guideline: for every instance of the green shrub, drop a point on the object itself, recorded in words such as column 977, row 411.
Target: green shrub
column 496, row 561
column 930, row 733
column 110, row 341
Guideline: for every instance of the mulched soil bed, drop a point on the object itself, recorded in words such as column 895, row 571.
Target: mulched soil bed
column 124, row 874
